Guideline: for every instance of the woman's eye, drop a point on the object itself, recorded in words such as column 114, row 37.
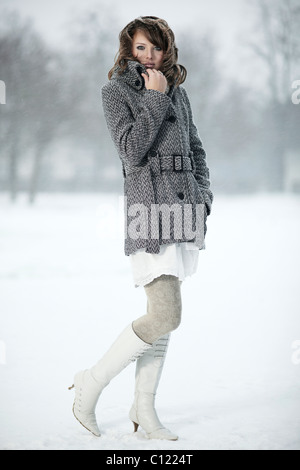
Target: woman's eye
column 141, row 48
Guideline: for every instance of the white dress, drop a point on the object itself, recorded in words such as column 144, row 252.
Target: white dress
column 178, row 259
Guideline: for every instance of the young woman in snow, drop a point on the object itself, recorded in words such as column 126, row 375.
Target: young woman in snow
column 149, row 117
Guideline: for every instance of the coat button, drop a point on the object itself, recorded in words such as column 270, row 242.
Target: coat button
column 172, row 119
column 152, row 153
column 137, row 82
column 139, row 69
column 180, row 195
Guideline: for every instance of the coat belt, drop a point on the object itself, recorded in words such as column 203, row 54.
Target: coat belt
column 171, row 162
column 176, row 163
column 166, row 162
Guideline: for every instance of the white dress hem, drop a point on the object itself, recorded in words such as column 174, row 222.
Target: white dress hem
column 176, row 259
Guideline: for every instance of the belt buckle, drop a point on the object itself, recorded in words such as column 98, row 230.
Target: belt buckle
column 174, row 162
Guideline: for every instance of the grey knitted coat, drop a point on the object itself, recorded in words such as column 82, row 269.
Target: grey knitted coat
column 166, row 179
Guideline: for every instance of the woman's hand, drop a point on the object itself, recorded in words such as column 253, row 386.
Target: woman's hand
column 155, row 80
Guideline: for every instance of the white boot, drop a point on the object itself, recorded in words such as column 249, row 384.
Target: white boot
column 148, row 373
column 90, row 383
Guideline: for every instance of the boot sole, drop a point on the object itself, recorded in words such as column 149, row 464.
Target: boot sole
column 136, row 426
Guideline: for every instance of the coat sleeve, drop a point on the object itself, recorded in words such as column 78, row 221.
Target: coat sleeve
column 132, row 135
column 201, row 170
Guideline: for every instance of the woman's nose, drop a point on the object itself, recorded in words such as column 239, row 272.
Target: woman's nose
column 149, row 54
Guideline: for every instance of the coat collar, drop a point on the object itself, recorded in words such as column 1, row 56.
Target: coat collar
column 132, row 75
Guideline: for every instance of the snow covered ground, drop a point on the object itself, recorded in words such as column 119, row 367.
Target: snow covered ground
column 232, row 375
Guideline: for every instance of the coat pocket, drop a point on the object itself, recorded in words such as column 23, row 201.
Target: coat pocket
column 195, row 195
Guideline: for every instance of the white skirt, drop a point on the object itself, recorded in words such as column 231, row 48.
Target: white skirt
column 178, row 259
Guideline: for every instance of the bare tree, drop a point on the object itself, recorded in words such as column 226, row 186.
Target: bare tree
column 94, row 45
column 277, row 44
column 29, row 118
column 204, row 76
column 12, row 131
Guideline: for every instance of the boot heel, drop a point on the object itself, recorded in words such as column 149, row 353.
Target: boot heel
column 135, row 426
column 72, row 386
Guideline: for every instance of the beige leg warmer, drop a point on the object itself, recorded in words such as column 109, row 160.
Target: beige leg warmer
column 163, row 309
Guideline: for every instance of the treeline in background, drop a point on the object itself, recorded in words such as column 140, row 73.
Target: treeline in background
column 53, row 136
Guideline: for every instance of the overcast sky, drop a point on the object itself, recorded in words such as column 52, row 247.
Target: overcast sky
column 228, row 19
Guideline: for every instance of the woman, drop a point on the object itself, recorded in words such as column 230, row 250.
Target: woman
column 167, row 200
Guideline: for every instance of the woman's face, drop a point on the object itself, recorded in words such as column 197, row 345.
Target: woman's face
column 145, row 52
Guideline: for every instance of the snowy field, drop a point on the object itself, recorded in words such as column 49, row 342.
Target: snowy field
column 232, row 374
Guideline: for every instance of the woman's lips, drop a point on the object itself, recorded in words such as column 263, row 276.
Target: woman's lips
column 149, row 66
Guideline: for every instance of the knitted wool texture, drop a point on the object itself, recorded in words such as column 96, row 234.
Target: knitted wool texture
column 164, row 308
column 146, row 125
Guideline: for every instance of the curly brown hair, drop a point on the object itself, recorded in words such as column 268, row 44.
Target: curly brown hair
column 158, row 33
